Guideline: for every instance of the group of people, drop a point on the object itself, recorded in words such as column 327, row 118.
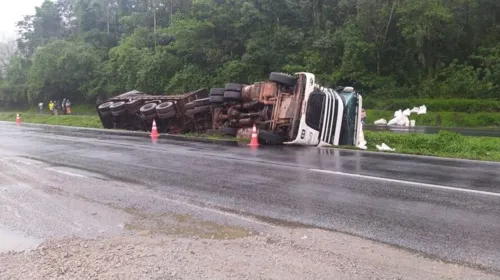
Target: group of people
column 57, row 106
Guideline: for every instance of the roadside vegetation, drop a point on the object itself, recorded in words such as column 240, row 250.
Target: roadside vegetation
column 88, row 50
column 73, row 120
column 445, row 119
column 443, row 144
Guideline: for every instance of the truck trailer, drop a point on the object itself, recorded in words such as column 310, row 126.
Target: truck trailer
column 286, row 109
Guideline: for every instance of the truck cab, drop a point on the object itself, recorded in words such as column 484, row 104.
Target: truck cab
column 328, row 117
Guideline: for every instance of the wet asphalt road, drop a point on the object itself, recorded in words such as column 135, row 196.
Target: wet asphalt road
column 443, row 208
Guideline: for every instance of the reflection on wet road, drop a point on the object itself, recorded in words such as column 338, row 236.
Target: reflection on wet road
column 440, row 207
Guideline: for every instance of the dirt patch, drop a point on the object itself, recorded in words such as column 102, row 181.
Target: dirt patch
column 286, row 254
column 185, row 225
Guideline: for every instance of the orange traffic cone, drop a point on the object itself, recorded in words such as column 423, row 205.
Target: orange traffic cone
column 154, row 130
column 18, row 119
column 254, row 142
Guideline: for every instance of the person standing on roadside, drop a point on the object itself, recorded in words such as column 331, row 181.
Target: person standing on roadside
column 57, row 104
column 68, row 107
column 51, row 107
column 363, row 116
column 40, row 106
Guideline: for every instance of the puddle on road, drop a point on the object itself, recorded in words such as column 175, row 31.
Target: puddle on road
column 15, row 241
column 185, row 225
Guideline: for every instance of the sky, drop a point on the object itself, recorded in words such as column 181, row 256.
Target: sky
column 13, row 11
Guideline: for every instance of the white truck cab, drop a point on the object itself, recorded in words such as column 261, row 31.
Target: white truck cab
column 328, row 117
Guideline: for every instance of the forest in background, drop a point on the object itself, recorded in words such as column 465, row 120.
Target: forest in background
column 88, row 50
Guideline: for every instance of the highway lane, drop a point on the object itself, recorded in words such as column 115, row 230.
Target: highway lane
column 444, row 208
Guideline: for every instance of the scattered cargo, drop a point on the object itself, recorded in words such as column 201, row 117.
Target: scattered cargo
column 286, row 110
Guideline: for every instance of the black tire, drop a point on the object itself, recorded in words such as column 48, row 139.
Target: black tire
column 189, row 105
column 105, row 113
column 165, row 107
column 233, row 87
column 202, row 109
column 150, row 116
column 117, row 106
column 283, row 79
column 217, row 99
column 231, row 131
column 232, row 95
column 166, row 115
column 104, row 107
column 118, row 113
column 201, row 102
column 190, row 112
column 148, row 109
column 217, row 91
column 270, row 137
column 134, row 103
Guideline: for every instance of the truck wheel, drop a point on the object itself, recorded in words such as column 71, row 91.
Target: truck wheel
column 117, row 106
column 104, row 107
column 233, row 87
column 166, row 115
column 189, row 105
column 217, row 99
column 165, row 107
column 201, row 102
column 105, row 113
column 118, row 113
column 148, row 109
column 202, row 109
column 231, row 131
column 270, row 137
column 133, row 103
column 232, row 95
column 217, row 91
column 283, row 79
column 149, row 116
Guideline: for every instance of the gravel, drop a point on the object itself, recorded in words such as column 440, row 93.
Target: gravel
column 280, row 254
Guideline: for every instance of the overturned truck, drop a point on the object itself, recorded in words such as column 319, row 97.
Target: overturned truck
column 286, row 109
column 290, row 110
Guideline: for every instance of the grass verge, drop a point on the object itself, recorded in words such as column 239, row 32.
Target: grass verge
column 216, row 136
column 443, row 144
column 73, row 120
column 448, row 119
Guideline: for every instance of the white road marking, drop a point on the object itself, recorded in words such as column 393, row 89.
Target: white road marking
column 418, row 184
column 65, row 172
